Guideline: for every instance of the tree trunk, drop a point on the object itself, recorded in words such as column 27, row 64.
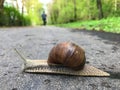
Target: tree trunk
column 100, row 11
column 23, row 4
column 115, row 5
column 1, row 4
column 75, row 10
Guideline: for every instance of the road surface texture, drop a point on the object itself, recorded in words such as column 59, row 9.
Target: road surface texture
column 102, row 51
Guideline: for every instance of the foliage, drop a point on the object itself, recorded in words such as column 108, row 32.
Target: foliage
column 108, row 25
column 88, row 13
column 30, row 15
column 34, row 9
column 64, row 11
column 9, row 16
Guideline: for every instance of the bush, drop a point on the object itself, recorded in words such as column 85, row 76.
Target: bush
column 9, row 16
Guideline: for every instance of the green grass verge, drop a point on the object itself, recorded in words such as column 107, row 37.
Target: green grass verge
column 107, row 25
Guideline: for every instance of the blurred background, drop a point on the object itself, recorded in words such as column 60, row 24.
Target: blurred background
column 95, row 14
column 21, row 12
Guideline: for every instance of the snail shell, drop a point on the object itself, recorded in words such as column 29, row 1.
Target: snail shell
column 68, row 54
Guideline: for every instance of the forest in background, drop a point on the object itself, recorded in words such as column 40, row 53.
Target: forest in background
column 98, row 15
column 29, row 15
column 65, row 11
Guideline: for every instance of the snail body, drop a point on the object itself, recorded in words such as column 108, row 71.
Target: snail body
column 68, row 54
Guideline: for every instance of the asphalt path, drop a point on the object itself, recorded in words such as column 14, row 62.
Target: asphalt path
column 102, row 51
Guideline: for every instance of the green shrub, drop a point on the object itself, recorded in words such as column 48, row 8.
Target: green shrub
column 111, row 24
column 9, row 16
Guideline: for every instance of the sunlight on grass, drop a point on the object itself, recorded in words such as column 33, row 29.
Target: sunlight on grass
column 107, row 25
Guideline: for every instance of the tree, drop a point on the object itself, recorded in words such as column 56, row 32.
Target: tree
column 100, row 11
column 33, row 8
column 1, row 4
column 64, row 11
column 117, row 4
column 1, row 8
column 75, row 10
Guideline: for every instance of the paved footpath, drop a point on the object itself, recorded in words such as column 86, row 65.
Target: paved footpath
column 102, row 51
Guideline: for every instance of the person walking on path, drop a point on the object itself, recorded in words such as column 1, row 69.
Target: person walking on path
column 44, row 16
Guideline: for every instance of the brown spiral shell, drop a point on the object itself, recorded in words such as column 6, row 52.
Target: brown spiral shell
column 68, row 54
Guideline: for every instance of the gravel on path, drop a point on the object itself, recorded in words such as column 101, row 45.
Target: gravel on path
column 102, row 51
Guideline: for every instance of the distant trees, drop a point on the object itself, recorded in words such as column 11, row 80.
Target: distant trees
column 117, row 4
column 75, row 10
column 1, row 4
column 33, row 10
column 12, row 16
column 100, row 11
column 64, row 11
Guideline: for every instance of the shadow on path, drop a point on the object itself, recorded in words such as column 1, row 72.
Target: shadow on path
column 104, row 35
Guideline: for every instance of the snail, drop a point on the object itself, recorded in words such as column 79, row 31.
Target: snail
column 67, row 54
column 63, row 54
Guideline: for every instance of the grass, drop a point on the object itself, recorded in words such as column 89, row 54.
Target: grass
column 107, row 25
